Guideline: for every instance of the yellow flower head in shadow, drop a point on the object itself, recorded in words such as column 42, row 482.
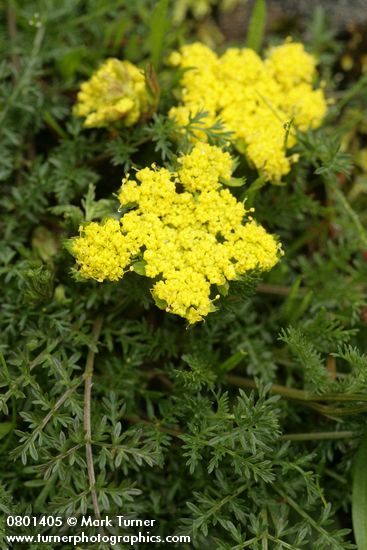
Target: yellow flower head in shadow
column 115, row 92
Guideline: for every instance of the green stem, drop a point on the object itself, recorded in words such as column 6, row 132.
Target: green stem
column 52, row 411
column 88, row 375
column 353, row 216
column 133, row 419
column 250, row 193
column 8, row 379
column 54, row 125
column 293, row 393
column 226, row 499
column 275, row 289
column 336, row 476
column 309, row 399
column 336, row 412
column 232, row 362
column 317, row 436
column 48, row 465
column 290, row 393
column 56, row 407
column 350, row 94
column 12, row 30
column 301, row 512
column 265, row 535
column 40, row 357
column 13, row 403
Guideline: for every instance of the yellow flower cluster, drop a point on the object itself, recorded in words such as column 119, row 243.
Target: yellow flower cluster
column 115, row 92
column 187, row 230
column 254, row 98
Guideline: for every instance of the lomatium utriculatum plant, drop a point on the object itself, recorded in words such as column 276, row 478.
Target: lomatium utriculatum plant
column 184, row 274
column 184, row 230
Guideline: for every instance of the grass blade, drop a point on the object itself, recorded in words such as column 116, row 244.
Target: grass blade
column 158, row 29
column 256, row 28
column 359, row 496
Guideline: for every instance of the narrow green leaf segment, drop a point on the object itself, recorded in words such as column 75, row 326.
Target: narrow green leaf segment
column 158, row 29
column 256, row 29
column 359, row 496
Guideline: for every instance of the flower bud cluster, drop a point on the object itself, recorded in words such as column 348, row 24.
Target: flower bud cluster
column 115, row 92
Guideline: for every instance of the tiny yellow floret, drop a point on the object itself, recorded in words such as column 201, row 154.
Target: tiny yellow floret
column 188, row 231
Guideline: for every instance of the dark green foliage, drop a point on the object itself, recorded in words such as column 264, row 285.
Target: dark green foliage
column 192, row 426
